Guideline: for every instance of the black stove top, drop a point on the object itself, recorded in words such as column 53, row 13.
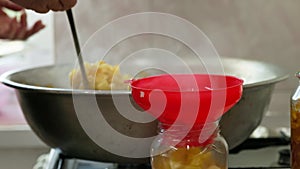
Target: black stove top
column 278, row 148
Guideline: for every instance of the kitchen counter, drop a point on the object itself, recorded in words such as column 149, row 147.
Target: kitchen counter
column 19, row 147
column 19, row 136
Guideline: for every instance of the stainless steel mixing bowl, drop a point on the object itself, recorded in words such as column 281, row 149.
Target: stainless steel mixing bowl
column 51, row 115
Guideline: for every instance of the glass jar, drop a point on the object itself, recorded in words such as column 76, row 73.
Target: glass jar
column 295, row 127
column 196, row 147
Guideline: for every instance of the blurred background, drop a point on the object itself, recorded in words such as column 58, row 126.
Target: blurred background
column 263, row 30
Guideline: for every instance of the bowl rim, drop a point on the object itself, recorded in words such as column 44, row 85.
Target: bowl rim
column 237, row 85
column 5, row 78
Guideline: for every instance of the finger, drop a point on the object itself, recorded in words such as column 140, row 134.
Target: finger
column 68, row 4
column 13, row 28
column 35, row 28
column 23, row 19
column 40, row 9
column 39, row 6
column 4, row 33
column 55, row 5
column 61, row 5
column 43, row 6
column 38, row 26
column 21, row 32
column 2, row 13
column 10, row 5
column 4, row 30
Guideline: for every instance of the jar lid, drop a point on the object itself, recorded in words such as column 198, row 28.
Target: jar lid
column 298, row 74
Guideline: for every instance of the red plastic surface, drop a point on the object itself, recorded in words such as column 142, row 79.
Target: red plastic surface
column 187, row 98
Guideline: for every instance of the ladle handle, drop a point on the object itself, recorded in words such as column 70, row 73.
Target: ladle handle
column 78, row 49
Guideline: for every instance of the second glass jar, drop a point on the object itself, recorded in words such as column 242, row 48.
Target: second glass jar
column 295, row 126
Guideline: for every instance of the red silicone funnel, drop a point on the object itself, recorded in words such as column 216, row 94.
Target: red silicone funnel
column 187, row 98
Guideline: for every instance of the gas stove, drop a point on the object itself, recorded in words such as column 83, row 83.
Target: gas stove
column 262, row 153
column 267, row 148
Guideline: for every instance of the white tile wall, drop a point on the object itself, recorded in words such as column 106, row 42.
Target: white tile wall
column 265, row 30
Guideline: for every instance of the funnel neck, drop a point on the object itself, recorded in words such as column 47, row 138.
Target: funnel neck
column 196, row 135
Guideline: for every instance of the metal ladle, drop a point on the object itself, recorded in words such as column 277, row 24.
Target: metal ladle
column 78, row 49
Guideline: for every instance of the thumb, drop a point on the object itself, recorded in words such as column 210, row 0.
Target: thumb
column 2, row 13
column 10, row 5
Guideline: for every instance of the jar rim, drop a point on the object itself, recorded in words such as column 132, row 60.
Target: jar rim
column 193, row 137
column 194, row 126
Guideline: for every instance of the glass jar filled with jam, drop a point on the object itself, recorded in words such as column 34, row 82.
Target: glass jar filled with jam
column 295, row 127
column 183, row 147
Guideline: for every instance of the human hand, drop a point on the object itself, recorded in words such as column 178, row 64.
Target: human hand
column 11, row 28
column 43, row 6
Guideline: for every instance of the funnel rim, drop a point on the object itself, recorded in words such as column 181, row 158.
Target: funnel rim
column 207, row 89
